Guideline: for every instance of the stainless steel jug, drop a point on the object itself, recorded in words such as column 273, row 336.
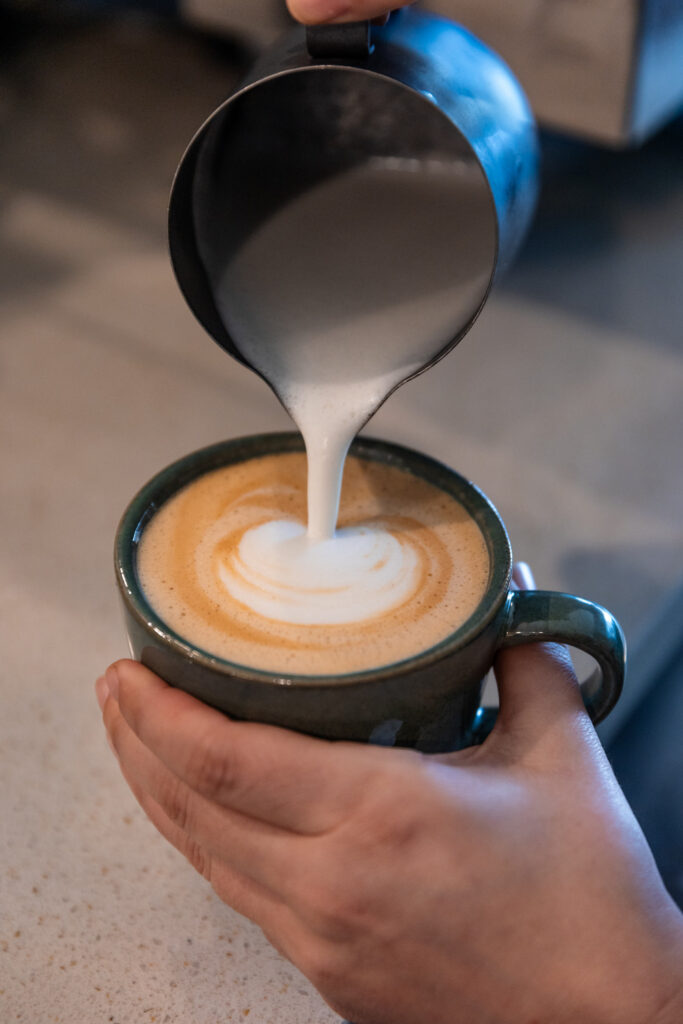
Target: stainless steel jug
column 324, row 100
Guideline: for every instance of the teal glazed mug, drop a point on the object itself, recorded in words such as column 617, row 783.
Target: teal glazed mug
column 430, row 701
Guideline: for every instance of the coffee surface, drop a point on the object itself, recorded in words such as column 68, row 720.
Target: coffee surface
column 226, row 563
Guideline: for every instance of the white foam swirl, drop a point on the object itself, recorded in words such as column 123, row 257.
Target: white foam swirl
column 280, row 574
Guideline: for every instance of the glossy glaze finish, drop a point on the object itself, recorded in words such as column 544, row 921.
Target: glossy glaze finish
column 430, row 701
column 546, row 615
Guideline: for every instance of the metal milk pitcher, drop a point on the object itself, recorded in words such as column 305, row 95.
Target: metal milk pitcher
column 419, row 90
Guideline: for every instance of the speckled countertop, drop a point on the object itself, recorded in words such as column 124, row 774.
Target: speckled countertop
column 563, row 404
column 101, row 920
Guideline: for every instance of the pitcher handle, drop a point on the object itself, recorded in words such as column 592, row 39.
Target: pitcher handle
column 350, row 40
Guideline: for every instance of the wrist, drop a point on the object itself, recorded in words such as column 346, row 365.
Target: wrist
column 671, row 1005
column 651, row 990
column 633, row 975
column 668, row 996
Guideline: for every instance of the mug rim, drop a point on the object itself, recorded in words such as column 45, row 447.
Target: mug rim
column 178, row 474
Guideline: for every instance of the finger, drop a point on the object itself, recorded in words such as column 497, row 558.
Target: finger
column 280, row 777
column 252, row 848
column 315, row 12
column 536, row 682
column 279, row 922
column 240, row 892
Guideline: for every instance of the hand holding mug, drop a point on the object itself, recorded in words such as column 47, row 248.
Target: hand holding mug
column 504, row 883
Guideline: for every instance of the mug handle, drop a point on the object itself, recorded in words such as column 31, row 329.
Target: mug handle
column 544, row 615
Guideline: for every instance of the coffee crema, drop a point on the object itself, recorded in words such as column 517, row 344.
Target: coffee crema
column 227, row 565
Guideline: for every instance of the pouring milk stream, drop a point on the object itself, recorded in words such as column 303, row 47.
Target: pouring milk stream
column 343, row 293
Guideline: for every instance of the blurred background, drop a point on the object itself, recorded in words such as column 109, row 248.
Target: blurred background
column 564, row 403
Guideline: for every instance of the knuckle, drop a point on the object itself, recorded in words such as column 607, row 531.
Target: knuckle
column 332, row 906
column 314, row 902
column 210, row 769
column 198, row 858
column 323, row 916
column 391, row 817
column 340, row 894
column 345, row 914
column 176, row 800
column 322, row 966
column 397, row 830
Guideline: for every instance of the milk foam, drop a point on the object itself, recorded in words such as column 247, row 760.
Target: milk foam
column 279, row 573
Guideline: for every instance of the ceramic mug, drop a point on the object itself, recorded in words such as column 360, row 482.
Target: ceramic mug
column 430, row 701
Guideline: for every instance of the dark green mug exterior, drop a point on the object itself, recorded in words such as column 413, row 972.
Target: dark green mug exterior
column 430, row 701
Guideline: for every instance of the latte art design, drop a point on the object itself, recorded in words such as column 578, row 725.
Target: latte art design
column 277, row 572
column 228, row 565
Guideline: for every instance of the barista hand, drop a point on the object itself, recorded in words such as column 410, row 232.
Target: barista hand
column 315, row 12
column 506, row 884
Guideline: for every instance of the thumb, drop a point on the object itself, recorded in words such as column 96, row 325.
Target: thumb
column 537, row 684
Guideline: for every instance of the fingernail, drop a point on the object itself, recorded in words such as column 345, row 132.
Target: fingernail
column 102, row 691
column 112, row 678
